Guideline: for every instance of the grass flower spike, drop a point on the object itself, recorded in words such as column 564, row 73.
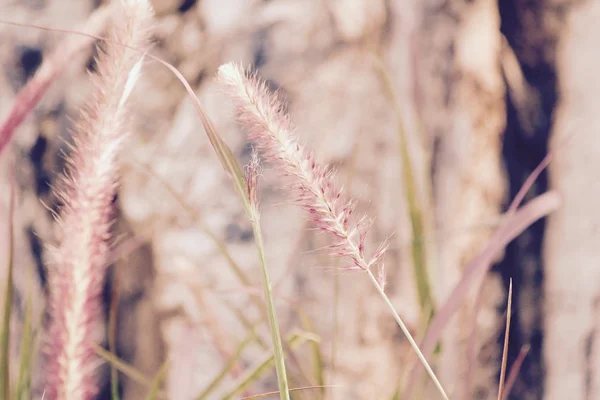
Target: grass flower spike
column 269, row 127
column 78, row 264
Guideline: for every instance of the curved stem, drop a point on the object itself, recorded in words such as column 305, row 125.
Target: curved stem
column 404, row 329
column 275, row 335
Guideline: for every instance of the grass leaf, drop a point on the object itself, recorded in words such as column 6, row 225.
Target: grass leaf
column 268, row 394
column 26, row 349
column 415, row 211
column 505, row 348
column 264, row 364
column 158, row 381
column 127, row 369
column 112, row 334
column 514, row 224
column 220, row 244
column 318, row 372
column 226, row 368
column 514, row 370
column 8, row 295
column 271, row 311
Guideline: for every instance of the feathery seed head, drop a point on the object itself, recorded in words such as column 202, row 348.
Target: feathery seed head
column 261, row 113
column 78, row 266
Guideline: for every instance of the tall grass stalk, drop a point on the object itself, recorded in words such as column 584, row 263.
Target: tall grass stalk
column 236, row 356
column 252, row 182
column 262, row 364
column 514, row 370
column 423, row 250
column 112, row 334
column 246, row 189
column 406, row 332
column 505, row 347
column 158, row 380
column 26, row 348
column 126, row 369
column 273, row 324
column 513, row 225
column 5, row 340
column 261, row 113
column 219, row 243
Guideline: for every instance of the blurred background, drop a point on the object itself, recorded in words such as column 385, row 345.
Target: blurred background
column 433, row 112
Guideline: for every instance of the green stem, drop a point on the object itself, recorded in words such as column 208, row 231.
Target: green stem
column 276, row 337
column 5, row 337
column 407, row 334
column 422, row 253
column 112, row 335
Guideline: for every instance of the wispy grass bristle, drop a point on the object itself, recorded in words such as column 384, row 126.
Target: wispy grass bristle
column 261, row 113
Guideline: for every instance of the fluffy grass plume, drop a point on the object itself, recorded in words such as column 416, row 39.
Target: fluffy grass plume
column 269, row 127
column 78, row 264
column 260, row 112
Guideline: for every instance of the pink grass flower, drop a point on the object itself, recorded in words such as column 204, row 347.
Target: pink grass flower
column 78, row 264
column 269, row 127
column 261, row 113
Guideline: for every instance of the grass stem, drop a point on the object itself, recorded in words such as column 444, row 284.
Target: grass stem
column 406, row 332
column 273, row 324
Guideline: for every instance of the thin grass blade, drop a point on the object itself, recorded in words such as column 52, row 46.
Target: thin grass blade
column 317, row 363
column 250, row 326
column 514, row 370
column 226, row 368
column 268, row 394
column 264, row 364
column 271, row 311
column 8, row 295
column 221, row 246
column 505, row 347
column 158, row 380
column 511, row 209
column 26, row 349
column 112, row 335
column 416, row 215
column 513, row 226
column 127, row 369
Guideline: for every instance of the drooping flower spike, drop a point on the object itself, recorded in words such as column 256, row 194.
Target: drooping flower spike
column 261, row 112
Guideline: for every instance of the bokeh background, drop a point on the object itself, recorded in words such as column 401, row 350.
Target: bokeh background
column 434, row 108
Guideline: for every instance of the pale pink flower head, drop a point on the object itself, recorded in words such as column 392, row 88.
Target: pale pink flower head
column 78, row 265
column 262, row 114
